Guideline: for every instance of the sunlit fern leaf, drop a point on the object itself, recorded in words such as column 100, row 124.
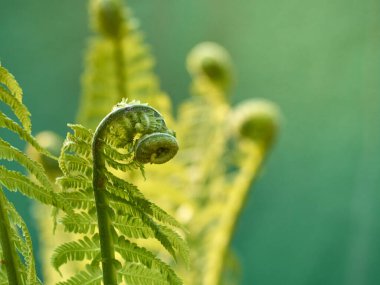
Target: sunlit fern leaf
column 70, row 183
column 92, row 275
column 11, row 153
column 80, row 223
column 132, row 227
column 80, row 199
column 168, row 238
column 86, row 248
column 23, row 134
column 137, row 274
column 8, row 80
column 124, row 190
column 15, row 181
column 136, row 254
column 17, row 107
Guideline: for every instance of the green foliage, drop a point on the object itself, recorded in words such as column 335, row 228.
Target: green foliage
column 117, row 234
column 128, row 137
column 17, row 250
column 131, row 214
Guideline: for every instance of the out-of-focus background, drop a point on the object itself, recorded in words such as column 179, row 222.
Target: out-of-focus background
column 313, row 216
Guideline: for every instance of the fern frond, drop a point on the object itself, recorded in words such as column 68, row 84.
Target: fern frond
column 119, row 204
column 90, row 276
column 70, row 183
column 15, row 181
column 86, row 248
column 82, row 133
column 122, row 188
column 135, row 254
column 6, row 122
column 75, row 165
column 79, row 199
column 139, row 275
column 118, row 65
column 132, row 227
column 11, row 153
column 19, row 109
column 80, row 223
column 8, row 80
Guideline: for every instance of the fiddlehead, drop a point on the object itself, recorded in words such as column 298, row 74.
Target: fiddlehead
column 94, row 166
column 152, row 147
column 255, row 123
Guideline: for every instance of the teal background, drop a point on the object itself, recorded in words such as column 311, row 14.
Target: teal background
column 313, row 217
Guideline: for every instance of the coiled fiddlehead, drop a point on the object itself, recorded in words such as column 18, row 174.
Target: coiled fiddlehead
column 152, row 142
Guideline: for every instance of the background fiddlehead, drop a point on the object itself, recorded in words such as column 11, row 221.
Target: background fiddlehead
column 118, row 65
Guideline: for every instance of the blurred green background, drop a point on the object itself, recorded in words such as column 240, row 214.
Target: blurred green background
column 313, row 217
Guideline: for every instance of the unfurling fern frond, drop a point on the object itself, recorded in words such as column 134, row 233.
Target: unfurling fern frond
column 118, row 65
column 110, row 211
column 16, row 244
column 222, row 149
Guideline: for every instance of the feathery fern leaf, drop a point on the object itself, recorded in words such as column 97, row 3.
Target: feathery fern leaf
column 86, row 248
column 10, row 83
column 139, row 275
column 15, row 238
column 92, row 275
column 17, row 107
column 139, row 255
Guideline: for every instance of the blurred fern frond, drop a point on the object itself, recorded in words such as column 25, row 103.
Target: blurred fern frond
column 222, row 149
column 118, row 65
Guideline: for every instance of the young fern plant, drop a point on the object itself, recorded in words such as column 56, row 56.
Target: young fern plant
column 17, row 260
column 108, row 211
column 111, row 214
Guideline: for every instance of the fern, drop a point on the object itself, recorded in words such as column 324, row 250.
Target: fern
column 222, row 149
column 118, row 65
column 15, row 239
column 116, row 211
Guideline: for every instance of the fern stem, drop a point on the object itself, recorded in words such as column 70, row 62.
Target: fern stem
column 236, row 201
column 9, row 251
column 103, row 210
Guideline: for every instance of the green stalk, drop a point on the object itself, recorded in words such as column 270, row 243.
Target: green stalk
column 233, row 209
column 10, row 257
column 104, row 221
